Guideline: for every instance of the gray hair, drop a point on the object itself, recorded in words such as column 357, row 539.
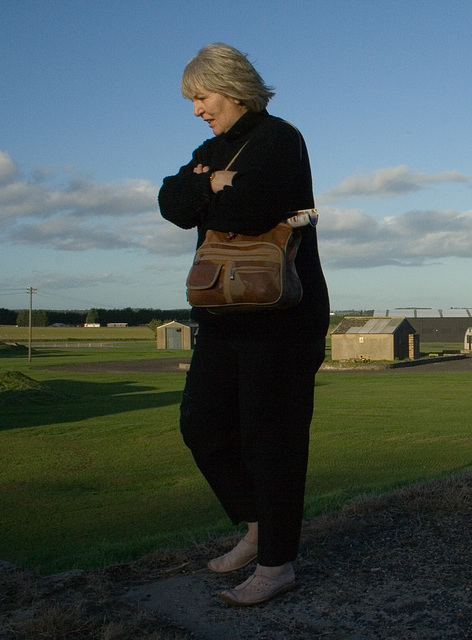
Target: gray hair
column 222, row 69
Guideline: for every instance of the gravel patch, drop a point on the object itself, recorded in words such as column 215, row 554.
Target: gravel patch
column 177, row 365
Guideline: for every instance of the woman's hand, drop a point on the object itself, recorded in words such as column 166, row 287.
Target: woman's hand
column 201, row 169
column 219, row 179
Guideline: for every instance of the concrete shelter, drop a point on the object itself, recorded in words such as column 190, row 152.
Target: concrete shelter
column 365, row 338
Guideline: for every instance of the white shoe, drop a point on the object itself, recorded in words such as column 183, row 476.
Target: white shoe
column 259, row 588
column 242, row 554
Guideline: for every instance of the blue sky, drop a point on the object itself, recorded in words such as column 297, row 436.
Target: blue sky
column 92, row 120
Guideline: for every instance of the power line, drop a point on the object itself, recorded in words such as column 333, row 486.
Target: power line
column 41, row 294
column 5, row 295
column 85, row 302
column 10, row 292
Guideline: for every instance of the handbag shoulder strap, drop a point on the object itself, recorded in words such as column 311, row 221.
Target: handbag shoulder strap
column 237, row 154
column 234, row 157
column 299, row 142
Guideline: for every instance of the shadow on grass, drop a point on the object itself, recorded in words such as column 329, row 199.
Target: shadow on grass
column 72, row 401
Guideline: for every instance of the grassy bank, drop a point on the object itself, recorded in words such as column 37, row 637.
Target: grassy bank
column 93, row 470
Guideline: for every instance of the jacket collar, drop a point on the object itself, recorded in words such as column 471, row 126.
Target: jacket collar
column 246, row 123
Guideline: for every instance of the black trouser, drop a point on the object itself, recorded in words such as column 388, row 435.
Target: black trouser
column 246, row 414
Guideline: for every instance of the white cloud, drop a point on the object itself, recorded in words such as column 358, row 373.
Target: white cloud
column 8, row 169
column 162, row 237
column 353, row 239
column 78, row 198
column 72, row 218
column 85, row 214
column 69, row 235
column 389, row 182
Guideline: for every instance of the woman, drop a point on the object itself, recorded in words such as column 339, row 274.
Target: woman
column 248, row 400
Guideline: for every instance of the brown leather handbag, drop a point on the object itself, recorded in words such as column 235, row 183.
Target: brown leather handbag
column 234, row 273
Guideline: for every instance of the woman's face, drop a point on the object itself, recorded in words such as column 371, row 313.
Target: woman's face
column 219, row 111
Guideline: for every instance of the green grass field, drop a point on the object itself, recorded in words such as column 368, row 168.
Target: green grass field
column 93, row 469
column 40, row 334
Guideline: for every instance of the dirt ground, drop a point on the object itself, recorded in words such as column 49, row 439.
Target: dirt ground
column 174, row 365
column 398, row 568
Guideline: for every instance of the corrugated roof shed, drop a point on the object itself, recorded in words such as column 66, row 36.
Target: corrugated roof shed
column 349, row 321
column 378, row 325
column 351, row 324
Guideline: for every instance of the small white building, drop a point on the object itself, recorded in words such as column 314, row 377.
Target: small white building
column 468, row 340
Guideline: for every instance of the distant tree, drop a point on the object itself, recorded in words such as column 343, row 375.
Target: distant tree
column 133, row 317
column 334, row 320
column 22, row 318
column 92, row 316
column 7, row 316
column 145, row 316
column 180, row 315
column 355, row 312
column 67, row 317
column 39, row 318
column 154, row 324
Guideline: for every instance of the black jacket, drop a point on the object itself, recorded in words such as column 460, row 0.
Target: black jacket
column 273, row 177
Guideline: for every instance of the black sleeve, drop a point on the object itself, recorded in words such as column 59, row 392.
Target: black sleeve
column 265, row 186
column 184, row 198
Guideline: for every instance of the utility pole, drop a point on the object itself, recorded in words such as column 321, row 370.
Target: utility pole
column 30, row 290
